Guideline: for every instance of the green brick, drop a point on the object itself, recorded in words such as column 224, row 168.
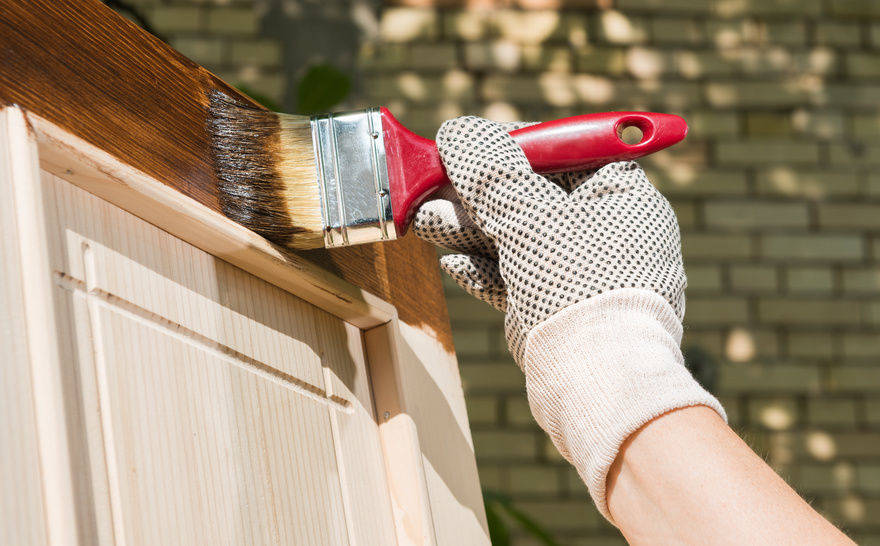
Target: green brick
column 849, row 215
column 753, row 277
column 753, row 214
column 677, row 30
column 232, row 20
column 712, row 124
column 770, row 151
column 838, row 33
column 813, row 247
column 863, row 280
column 812, row 184
column 859, row 345
column 176, row 18
column 517, row 411
column 504, row 445
column 702, row 311
column 704, row 245
column 260, row 52
column 601, row 60
column 862, row 65
column 778, row 378
column 502, row 376
column 810, row 345
column 855, row 378
column 855, row 8
column 680, row 179
column 815, row 478
column 703, row 278
column 534, row 480
column 766, row 94
column 866, row 126
column 872, row 410
column 813, row 280
column 208, row 51
column 482, row 410
column 868, row 477
column 854, row 154
column 810, row 311
column 831, row 412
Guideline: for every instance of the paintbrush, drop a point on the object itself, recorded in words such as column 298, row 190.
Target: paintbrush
column 358, row 177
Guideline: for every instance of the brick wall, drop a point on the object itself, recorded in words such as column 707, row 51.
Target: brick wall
column 776, row 189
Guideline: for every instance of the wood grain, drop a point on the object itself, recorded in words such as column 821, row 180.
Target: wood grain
column 97, row 75
column 217, row 408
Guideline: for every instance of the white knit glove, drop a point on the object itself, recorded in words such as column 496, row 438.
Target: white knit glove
column 588, row 269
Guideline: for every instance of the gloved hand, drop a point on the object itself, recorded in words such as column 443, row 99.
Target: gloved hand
column 588, row 269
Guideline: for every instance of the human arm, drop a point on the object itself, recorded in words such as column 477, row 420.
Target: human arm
column 592, row 284
column 687, row 478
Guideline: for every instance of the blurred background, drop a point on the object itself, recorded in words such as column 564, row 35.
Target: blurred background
column 777, row 190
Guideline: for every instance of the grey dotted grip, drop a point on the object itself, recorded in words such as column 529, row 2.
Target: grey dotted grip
column 532, row 245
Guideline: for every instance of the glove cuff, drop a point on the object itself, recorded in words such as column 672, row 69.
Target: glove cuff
column 599, row 370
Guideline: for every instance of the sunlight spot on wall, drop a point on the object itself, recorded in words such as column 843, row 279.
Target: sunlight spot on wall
column 557, row 89
column 617, row 27
column 688, row 64
column 457, row 82
column 821, row 60
column 501, row 111
column 784, row 180
column 740, row 345
column 776, row 417
column 527, row 26
column 364, row 17
column 412, row 86
column 844, row 475
column 447, row 110
column 592, row 89
column 726, row 8
column 505, row 54
column 821, row 445
column 577, row 37
column 852, row 508
column 644, row 63
column 721, row 94
column 403, row 25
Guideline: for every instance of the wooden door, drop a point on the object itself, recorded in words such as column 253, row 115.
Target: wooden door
column 169, row 377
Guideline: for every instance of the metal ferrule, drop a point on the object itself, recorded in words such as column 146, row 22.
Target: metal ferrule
column 352, row 178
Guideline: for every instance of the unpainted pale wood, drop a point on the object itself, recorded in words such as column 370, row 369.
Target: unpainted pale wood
column 38, row 319
column 228, row 410
column 400, row 440
column 22, row 516
column 428, row 421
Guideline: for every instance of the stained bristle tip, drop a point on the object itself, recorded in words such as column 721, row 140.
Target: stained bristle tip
column 266, row 170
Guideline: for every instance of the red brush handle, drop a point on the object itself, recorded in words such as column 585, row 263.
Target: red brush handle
column 569, row 144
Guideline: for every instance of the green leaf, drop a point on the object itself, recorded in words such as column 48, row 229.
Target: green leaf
column 322, row 87
column 530, row 526
column 498, row 533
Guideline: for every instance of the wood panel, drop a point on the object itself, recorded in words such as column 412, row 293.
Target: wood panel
column 100, row 77
column 22, row 513
column 215, row 407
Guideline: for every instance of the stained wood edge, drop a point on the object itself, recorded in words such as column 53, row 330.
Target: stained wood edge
column 102, row 174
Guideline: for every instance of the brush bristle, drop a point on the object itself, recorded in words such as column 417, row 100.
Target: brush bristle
column 266, row 169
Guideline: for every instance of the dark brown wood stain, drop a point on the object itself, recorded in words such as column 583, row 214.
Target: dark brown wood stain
column 99, row 76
